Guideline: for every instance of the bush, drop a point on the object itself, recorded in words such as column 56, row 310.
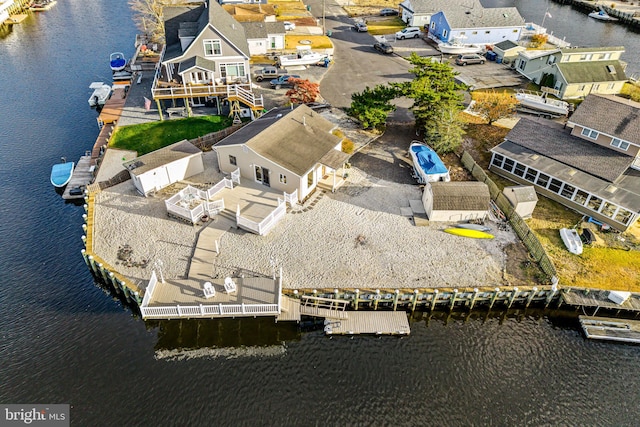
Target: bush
column 348, row 146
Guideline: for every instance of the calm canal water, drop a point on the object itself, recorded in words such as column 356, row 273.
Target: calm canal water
column 64, row 341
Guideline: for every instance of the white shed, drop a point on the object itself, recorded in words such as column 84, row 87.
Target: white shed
column 456, row 201
column 523, row 198
column 161, row 168
column 507, row 50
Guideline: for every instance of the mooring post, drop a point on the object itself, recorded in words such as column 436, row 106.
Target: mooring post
column 84, row 256
column 534, row 291
column 513, row 295
column 554, row 289
column 315, row 294
column 473, row 298
column 395, row 299
column 496, row 291
column 357, row 299
column 453, row 299
column 434, row 297
column 377, row 298
column 415, row 300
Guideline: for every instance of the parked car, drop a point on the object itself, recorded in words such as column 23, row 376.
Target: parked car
column 289, row 26
column 470, row 58
column 388, row 12
column 282, row 81
column 360, row 27
column 268, row 73
column 383, row 47
column 409, row 32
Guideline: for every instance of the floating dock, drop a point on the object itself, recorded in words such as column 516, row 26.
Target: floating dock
column 82, row 176
column 610, row 329
column 369, row 322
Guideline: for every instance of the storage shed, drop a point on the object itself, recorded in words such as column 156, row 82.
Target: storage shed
column 507, row 51
column 456, row 201
column 161, row 168
column 523, row 198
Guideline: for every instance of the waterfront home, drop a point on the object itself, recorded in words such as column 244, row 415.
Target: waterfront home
column 417, row 13
column 290, row 150
column 165, row 166
column 484, row 26
column 591, row 165
column 264, row 37
column 456, row 201
column 575, row 72
column 205, row 60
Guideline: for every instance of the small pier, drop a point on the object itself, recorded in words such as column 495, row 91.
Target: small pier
column 604, row 328
column 82, row 176
column 112, row 109
column 369, row 322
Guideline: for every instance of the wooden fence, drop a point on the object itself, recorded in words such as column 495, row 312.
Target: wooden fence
column 207, row 141
column 521, row 228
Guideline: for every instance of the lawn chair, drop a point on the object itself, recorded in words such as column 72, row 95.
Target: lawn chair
column 209, row 290
column 230, row 286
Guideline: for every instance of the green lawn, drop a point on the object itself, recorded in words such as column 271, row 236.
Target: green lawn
column 148, row 137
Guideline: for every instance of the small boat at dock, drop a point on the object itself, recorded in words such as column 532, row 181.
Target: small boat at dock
column 427, row 166
column 601, row 15
column 101, row 93
column 117, row 61
column 571, row 240
column 41, row 6
column 61, row 173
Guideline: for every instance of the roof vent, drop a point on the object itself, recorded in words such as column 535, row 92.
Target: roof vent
column 572, row 172
column 534, row 157
column 611, row 69
column 611, row 189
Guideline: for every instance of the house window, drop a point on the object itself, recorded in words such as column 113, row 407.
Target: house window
column 589, row 133
column 519, row 170
column 543, row 180
column 233, row 160
column 567, row 191
column 586, row 57
column 283, row 179
column 596, row 87
column 497, row 160
column 582, row 88
column 487, row 32
column 522, row 64
column 508, row 165
column 566, row 58
column 212, row 48
column 232, row 70
column 580, row 197
column 623, row 216
column 605, row 56
column 610, row 86
column 445, row 33
column 531, row 175
column 475, row 33
column 609, row 209
column 618, row 143
column 515, row 31
column 433, row 25
column 310, row 179
column 462, row 33
column 555, row 185
column 594, row 203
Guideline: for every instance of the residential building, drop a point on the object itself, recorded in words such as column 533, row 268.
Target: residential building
column 591, row 165
column 264, row 37
column 576, row 72
column 290, row 150
column 417, row 13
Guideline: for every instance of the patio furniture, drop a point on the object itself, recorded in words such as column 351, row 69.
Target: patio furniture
column 209, row 290
column 230, row 285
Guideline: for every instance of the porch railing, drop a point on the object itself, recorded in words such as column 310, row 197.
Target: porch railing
column 201, row 310
column 148, row 293
column 244, row 95
column 264, row 226
column 225, row 183
column 291, row 198
column 215, row 207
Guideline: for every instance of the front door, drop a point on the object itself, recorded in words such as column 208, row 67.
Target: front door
column 262, row 175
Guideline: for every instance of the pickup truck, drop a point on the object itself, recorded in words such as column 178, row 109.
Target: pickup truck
column 282, row 81
column 268, row 73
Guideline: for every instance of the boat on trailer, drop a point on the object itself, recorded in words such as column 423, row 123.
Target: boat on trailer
column 61, row 173
column 541, row 103
column 427, row 166
column 101, row 93
column 117, row 61
column 571, row 240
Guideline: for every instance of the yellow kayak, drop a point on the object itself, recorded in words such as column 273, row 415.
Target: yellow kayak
column 465, row 232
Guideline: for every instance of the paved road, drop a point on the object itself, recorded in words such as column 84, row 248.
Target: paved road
column 356, row 64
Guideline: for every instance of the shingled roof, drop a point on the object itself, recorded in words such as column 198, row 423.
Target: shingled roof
column 484, row 18
column 460, row 196
column 551, row 140
column 592, row 71
column 161, row 157
column 435, row 6
column 611, row 115
column 295, row 139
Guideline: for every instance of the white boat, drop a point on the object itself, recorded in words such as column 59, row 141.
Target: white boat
column 427, row 166
column 571, row 240
column 541, row 102
column 457, row 46
column 303, row 57
column 101, row 93
column 117, row 61
column 601, row 15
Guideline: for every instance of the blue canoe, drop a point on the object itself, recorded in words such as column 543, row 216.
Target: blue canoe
column 61, row 174
column 427, row 165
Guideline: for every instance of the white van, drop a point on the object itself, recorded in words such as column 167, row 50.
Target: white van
column 409, row 32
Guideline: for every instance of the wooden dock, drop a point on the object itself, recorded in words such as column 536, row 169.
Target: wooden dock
column 610, row 329
column 112, row 109
column 598, row 299
column 370, row 322
column 82, row 176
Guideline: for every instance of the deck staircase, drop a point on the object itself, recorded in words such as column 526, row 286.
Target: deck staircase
column 237, row 95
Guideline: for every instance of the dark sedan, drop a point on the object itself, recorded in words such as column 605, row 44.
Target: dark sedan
column 383, row 47
column 388, row 12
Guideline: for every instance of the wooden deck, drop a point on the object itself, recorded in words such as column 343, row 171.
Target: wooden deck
column 290, row 310
column 82, row 176
column 598, row 299
column 112, row 109
column 370, row 322
column 604, row 328
column 101, row 141
column 256, row 201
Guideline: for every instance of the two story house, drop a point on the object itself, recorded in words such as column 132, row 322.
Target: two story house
column 477, row 26
column 205, row 59
column 591, row 165
column 576, row 71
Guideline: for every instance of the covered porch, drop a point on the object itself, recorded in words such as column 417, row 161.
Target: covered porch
column 332, row 169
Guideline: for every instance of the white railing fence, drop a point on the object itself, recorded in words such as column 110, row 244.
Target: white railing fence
column 215, row 207
column 225, row 183
column 148, row 293
column 201, row 310
column 291, row 198
column 235, row 176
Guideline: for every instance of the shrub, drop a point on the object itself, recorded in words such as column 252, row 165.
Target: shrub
column 348, row 146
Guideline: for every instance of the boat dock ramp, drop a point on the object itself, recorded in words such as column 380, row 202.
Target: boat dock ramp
column 82, row 176
column 611, row 329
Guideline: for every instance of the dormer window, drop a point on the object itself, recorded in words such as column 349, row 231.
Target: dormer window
column 618, row 143
column 212, row 48
column 589, row 133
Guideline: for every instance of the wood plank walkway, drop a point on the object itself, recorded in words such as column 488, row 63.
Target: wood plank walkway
column 112, row 109
column 605, row 328
column 82, row 176
column 370, row 322
column 290, row 310
column 311, row 310
column 596, row 298
column 204, row 254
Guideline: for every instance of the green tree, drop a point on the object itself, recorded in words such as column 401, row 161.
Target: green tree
column 148, row 16
column 437, row 101
column 494, row 105
column 371, row 106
